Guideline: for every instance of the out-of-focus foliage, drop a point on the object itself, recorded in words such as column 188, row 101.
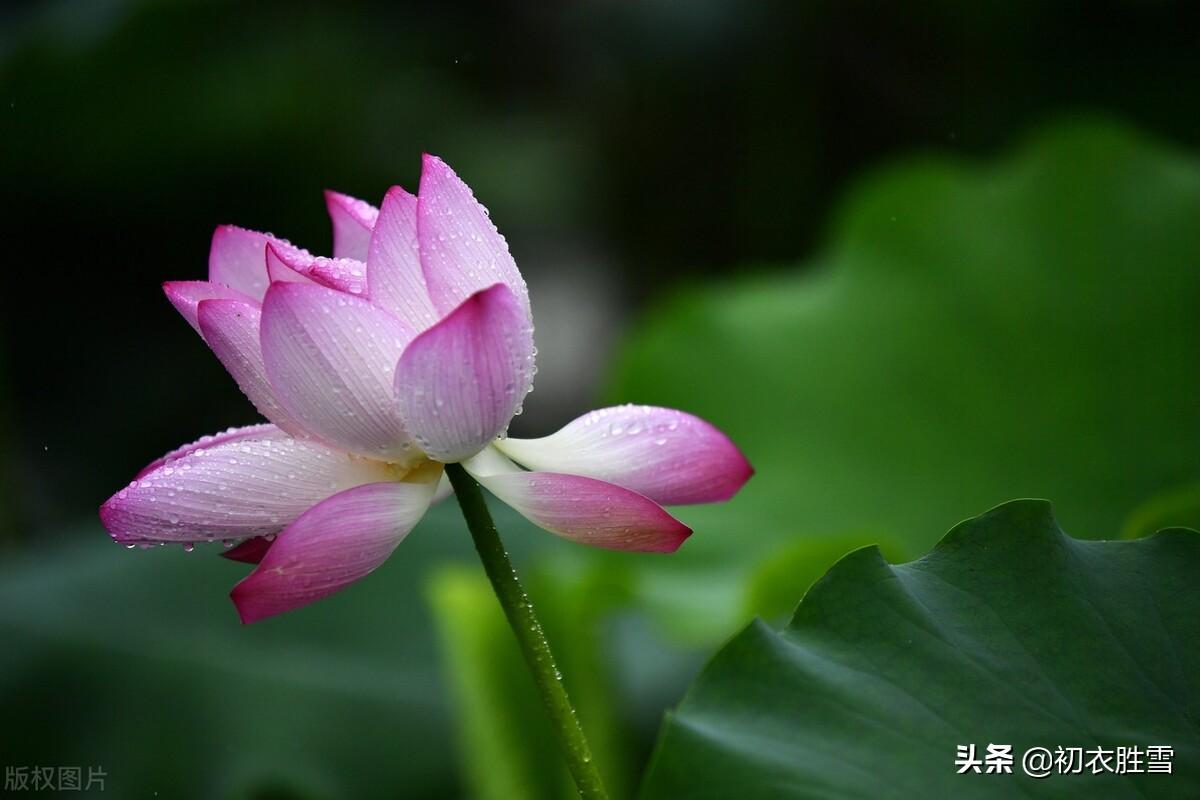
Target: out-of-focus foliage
column 772, row 589
column 1008, row 632
column 1178, row 507
column 507, row 747
column 970, row 334
column 135, row 661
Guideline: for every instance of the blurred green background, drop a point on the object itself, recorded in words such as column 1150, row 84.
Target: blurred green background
column 917, row 258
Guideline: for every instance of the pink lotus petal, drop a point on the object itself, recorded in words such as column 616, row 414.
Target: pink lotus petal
column 460, row 382
column 332, row 545
column 231, row 329
column 331, row 359
column 186, row 296
column 461, row 250
column 584, row 510
column 353, row 220
column 279, row 270
column 394, row 277
column 667, row 455
column 209, row 442
column 239, row 487
column 251, row 551
column 343, row 274
column 238, row 259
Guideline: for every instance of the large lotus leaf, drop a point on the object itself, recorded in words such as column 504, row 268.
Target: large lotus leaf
column 971, row 333
column 1009, row 632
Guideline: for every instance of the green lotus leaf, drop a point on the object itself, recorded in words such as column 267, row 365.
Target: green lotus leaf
column 1009, row 633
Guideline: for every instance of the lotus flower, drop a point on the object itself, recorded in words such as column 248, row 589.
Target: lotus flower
column 409, row 349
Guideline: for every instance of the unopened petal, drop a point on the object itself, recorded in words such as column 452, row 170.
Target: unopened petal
column 582, row 509
column 461, row 250
column 670, row 456
column 187, row 295
column 332, row 545
column 352, row 222
column 280, row 269
column 331, row 360
column 238, row 259
column 295, row 266
column 394, row 277
column 231, row 329
column 241, row 486
column 460, row 382
column 344, row 274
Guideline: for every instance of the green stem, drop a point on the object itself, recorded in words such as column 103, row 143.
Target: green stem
column 529, row 633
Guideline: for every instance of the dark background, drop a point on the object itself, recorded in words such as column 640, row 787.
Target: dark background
column 624, row 148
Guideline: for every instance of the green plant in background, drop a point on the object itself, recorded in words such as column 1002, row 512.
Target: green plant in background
column 507, row 748
column 202, row 708
column 1173, row 508
column 970, row 334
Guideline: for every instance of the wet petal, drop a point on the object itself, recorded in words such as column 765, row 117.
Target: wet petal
column 331, row 360
column 343, row 274
column 584, row 510
column 238, row 259
column 239, row 486
column 461, row 250
column 231, row 329
column 211, row 441
column 394, row 277
column 352, row 222
column 280, row 269
column 332, row 545
column 667, row 455
column 460, row 382
column 186, row 296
